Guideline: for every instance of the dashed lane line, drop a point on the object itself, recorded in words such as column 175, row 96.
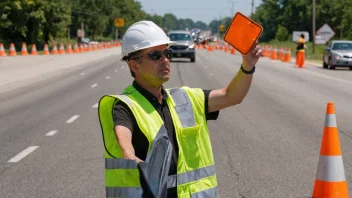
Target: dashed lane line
column 72, row 119
column 51, row 133
column 22, row 154
column 94, row 85
column 95, row 105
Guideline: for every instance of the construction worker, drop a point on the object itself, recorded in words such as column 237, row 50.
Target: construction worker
column 301, row 45
column 131, row 121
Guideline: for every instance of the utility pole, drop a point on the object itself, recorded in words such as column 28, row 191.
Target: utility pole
column 252, row 9
column 82, row 31
column 313, row 32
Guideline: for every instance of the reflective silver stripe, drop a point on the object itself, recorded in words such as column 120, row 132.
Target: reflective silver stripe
column 183, row 107
column 125, row 99
column 330, row 120
column 124, row 192
column 171, row 181
column 330, row 169
column 118, row 163
column 208, row 193
column 195, row 175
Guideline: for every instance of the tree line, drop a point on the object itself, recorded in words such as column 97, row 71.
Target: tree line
column 281, row 17
column 42, row 21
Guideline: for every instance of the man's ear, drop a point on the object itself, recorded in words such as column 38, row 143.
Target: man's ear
column 134, row 66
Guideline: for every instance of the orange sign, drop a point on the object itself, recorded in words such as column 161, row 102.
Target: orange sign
column 243, row 33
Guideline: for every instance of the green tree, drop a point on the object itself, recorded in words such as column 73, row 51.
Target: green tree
column 282, row 33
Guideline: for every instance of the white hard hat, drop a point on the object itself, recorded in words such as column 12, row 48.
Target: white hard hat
column 142, row 35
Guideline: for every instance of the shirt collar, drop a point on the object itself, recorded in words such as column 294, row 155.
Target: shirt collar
column 150, row 97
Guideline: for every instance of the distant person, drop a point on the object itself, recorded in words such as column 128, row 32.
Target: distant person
column 300, row 53
column 132, row 120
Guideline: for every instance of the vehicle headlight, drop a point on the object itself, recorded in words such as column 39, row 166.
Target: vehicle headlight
column 192, row 46
column 336, row 57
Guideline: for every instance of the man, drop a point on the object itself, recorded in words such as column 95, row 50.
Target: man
column 131, row 121
column 300, row 51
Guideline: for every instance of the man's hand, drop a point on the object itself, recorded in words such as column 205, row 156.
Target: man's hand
column 250, row 59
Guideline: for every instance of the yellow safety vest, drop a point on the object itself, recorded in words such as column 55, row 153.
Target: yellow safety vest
column 196, row 175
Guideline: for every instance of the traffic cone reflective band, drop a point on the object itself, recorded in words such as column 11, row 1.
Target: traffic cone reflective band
column 24, row 51
column 46, row 50
column 2, row 50
column 62, row 49
column 12, row 50
column 34, row 50
column 54, row 51
column 330, row 181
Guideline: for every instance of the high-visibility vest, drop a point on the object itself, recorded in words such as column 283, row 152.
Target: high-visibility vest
column 195, row 176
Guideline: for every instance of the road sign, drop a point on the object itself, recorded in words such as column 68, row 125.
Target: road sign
column 297, row 34
column 222, row 28
column 119, row 22
column 80, row 33
column 324, row 34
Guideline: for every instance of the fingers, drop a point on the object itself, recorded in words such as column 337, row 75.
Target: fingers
column 257, row 51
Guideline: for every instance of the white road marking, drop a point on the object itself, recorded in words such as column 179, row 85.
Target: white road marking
column 115, row 70
column 94, row 85
column 95, row 106
column 82, row 74
column 22, row 154
column 123, row 67
column 108, row 77
column 51, row 133
column 72, row 119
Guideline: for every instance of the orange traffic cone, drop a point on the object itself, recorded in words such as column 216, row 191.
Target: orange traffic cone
column 280, row 56
column 2, row 50
column 233, row 51
column 24, row 51
column 274, row 54
column 12, row 50
column 81, row 48
column 54, row 51
column 226, row 49
column 34, row 50
column 62, row 49
column 287, row 57
column 210, row 48
column 46, row 50
column 330, row 181
column 76, row 49
column 69, row 49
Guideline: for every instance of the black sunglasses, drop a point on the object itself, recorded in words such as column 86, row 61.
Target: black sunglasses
column 156, row 55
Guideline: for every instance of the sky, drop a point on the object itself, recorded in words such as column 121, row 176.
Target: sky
column 198, row 10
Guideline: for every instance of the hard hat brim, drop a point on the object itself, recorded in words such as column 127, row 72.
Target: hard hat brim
column 162, row 42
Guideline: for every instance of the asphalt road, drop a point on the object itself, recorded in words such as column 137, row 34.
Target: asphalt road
column 268, row 146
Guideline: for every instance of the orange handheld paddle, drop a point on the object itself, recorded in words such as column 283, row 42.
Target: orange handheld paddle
column 243, row 33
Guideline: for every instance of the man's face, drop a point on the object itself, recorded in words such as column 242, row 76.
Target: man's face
column 154, row 72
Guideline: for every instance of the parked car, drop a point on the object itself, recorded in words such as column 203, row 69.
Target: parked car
column 338, row 54
column 185, row 46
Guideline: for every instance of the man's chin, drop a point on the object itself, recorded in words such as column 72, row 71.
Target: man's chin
column 165, row 78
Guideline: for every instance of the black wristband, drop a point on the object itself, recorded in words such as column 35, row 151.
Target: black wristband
column 247, row 72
